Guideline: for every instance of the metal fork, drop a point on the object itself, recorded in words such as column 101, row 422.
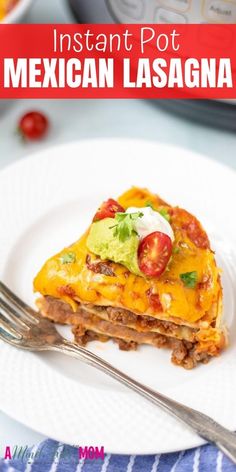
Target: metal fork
column 24, row 328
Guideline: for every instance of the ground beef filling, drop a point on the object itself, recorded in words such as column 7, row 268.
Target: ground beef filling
column 143, row 323
column 61, row 312
column 88, row 327
column 183, row 352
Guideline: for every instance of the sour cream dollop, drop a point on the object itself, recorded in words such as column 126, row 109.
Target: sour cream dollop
column 150, row 221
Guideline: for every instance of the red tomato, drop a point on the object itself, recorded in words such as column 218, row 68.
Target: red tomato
column 154, row 301
column 66, row 291
column 189, row 223
column 197, row 234
column 33, row 125
column 108, row 210
column 154, row 253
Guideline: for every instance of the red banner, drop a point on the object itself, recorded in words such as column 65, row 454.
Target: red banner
column 118, row 61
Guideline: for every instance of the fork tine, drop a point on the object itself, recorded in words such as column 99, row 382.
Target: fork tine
column 6, row 326
column 13, row 316
column 16, row 301
column 5, row 337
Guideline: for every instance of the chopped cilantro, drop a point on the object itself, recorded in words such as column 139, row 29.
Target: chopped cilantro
column 189, row 279
column 164, row 212
column 150, row 204
column 68, row 258
column 125, row 225
column 176, row 250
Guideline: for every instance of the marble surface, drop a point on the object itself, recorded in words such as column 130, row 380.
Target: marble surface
column 72, row 120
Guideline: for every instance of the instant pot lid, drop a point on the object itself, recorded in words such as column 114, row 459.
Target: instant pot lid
column 221, row 114
column 91, row 11
column 218, row 113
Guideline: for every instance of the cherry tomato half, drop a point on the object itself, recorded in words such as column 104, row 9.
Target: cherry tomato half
column 108, row 210
column 154, row 253
column 33, row 125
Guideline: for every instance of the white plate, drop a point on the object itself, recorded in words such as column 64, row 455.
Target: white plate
column 47, row 200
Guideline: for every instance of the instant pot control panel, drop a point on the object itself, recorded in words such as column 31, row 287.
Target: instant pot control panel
column 173, row 11
column 155, row 11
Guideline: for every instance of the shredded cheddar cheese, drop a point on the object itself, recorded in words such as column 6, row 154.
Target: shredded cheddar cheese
column 75, row 281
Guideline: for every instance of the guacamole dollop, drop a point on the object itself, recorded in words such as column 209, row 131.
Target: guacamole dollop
column 103, row 242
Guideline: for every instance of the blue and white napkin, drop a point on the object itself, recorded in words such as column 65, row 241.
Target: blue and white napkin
column 51, row 456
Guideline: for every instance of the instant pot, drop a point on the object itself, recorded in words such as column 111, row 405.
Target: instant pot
column 210, row 112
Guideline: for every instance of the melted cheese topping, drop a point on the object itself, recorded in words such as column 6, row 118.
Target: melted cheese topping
column 75, row 280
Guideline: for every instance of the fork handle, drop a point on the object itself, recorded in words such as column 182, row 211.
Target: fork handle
column 205, row 426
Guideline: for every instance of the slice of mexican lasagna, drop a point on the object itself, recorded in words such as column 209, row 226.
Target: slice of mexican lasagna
column 143, row 273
